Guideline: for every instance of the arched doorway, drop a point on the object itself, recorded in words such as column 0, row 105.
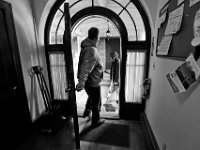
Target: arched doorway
column 106, row 45
column 133, row 26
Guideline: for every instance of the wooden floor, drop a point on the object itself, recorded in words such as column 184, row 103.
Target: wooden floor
column 64, row 139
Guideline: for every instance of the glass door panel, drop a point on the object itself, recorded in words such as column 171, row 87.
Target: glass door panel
column 135, row 67
column 58, row 75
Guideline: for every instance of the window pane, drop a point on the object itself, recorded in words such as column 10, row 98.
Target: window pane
column 100, row 3
column 53, row 34
column 138, row 21
column 114, row 6
column 79, row 6
column 134, row 76
column 60, row 32
column 58, row 74
column 129, row 25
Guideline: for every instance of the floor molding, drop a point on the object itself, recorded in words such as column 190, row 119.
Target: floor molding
column 153, row 145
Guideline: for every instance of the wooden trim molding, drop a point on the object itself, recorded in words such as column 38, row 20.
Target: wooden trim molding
column 153, row 145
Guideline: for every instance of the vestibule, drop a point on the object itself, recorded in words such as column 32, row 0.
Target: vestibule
column 170, row 117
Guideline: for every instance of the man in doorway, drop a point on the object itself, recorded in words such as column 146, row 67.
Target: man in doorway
column 90, row 74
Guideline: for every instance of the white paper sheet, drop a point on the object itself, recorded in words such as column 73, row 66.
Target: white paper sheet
column 163, row 48
column 174, row 21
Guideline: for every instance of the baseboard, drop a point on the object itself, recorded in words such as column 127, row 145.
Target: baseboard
column 153, row 145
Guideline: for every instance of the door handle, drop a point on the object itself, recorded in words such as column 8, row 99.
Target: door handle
column 14, row 88
column 70, row 89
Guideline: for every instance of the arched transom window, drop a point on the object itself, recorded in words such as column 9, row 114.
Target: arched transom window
column 125, row 9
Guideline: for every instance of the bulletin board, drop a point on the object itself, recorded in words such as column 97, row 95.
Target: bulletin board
column 180, row 46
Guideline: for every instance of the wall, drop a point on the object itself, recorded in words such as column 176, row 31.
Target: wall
column 174, row 119
column 41, row 10
column 30, row 54
column 150, row 6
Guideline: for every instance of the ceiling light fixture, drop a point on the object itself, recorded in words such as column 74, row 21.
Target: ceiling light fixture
column 108, row 34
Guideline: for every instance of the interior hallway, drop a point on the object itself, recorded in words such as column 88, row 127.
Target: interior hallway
column 64, row 139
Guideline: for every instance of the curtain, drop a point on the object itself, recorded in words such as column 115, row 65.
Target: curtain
column 58, row 74
column 134, row 76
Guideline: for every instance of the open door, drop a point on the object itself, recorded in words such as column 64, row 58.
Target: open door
column 14, row 113
column 70, row 73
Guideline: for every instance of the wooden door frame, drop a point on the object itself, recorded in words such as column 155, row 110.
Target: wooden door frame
column 96, row 10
